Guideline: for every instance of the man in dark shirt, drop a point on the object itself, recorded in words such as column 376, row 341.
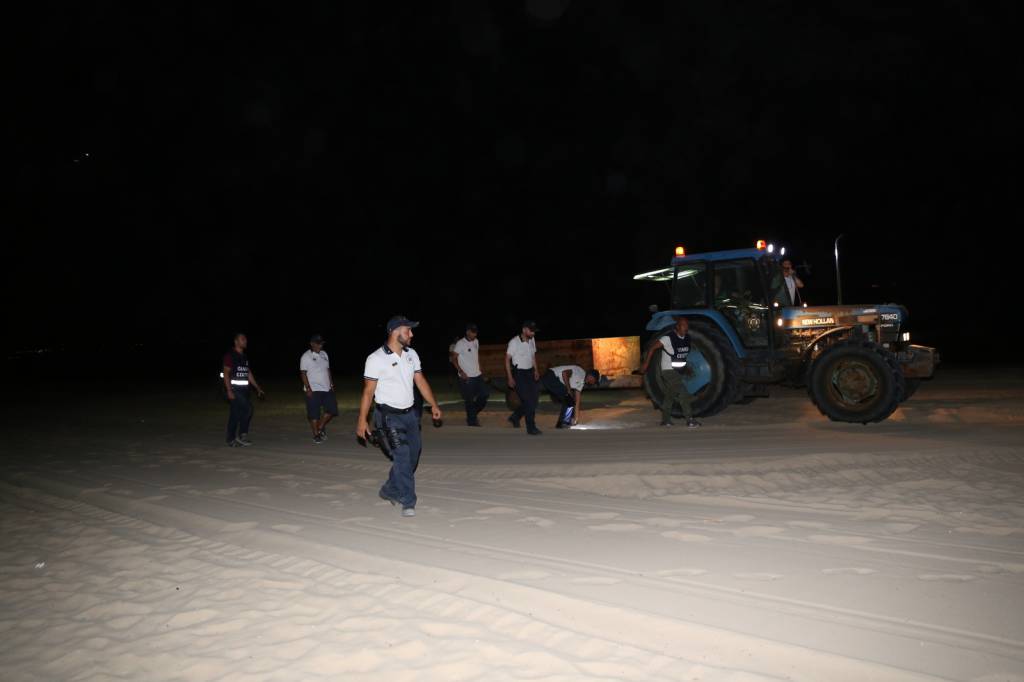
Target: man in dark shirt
column 238, row 377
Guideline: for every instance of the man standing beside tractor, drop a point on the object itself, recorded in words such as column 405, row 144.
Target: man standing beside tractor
column 674, row 348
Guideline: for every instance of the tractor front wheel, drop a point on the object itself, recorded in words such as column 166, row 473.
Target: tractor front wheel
column 856, row 381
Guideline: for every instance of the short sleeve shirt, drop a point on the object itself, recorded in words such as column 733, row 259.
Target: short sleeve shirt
column 666, row 357
column 239, row 368
column 394, row 376
column 577, row 376
column 522, row 352
column 316, row 366
column 468, row 353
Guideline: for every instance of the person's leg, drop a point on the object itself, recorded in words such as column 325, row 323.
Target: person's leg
column 403, row 434
column 517, row 414
column 685, row 400
column 556, row 388
column 468, row 399
column 245, row 414
column 482, row 396
column 670, row 381
column 529, row 397
column 330, row 405
column 234, row 417
column 313, row 413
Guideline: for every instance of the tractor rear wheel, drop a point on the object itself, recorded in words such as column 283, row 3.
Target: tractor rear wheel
column 715, row 380
column 856, row 381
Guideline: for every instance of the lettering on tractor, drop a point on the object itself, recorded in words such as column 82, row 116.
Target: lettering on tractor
column 856, row 361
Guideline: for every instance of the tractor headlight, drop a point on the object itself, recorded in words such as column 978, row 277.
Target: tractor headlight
column 905, row 337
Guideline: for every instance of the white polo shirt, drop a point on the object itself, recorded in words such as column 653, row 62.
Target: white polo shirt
column 394, row 375
column 468, row 353
column 315, row 365
column 522, row 352
column 577, row 376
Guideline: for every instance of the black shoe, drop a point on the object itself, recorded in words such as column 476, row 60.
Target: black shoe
column 692, row 423
column 323, row 434
column 560, row 425
column 317, row 439
column 384, row 497
column 234, row 444
column 243, row 440
column 666, row 422
column 513, row 422
column 472, row 423
column 534, row 431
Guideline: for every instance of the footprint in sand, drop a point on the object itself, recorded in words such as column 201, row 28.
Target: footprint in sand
column 497, row 510
column 758, row 531
column 685, row 537
column 839, row 539
column 851, row 570
column 470, row 518
column 681, row 572
column 947, row 577
column 538, row 521
column 813, row 525
column 738, row 518
column 616, row 527
column 287, row 528
column 234, row 527
column 524, row 575
column 664, row 522
column 595, row 580
column 600, row 516
column 761, row 577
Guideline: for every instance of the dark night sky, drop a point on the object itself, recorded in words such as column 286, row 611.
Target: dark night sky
column 182, row 173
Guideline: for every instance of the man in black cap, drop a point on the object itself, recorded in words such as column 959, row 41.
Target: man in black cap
column 389, row 377
column 465, row 357
column 522, row 374
column 315, row 370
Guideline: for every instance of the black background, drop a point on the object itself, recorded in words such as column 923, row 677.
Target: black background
column 182, row 173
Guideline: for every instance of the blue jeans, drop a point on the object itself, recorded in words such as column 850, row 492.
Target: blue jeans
column 475, row 394
column 403, row 434
column 240, row 415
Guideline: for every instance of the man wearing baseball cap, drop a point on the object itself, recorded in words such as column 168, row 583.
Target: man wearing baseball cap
column 315, row 370
column 465, row 357
column 522, row 374
column 390, row 374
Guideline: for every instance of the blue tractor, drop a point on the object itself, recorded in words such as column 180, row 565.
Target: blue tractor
column 856, row 361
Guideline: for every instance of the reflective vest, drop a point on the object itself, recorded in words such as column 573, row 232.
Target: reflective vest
column 680, row 350
column 239, row 364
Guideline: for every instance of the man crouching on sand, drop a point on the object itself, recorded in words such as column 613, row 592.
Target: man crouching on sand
column 388, row 379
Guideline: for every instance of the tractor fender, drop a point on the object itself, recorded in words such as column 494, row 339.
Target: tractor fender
column 666, row 318
column 809, row 353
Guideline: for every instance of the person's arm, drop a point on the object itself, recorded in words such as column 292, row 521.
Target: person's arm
column 252, row 380
column 227, row 382
column 428, row 394
column 536, row 368
column 362, row 425
column 508, row 371
column 305, row 383
column 458, row 367
column 330, row 377
column 566, row 377
column 579, row 402
column 650, row 354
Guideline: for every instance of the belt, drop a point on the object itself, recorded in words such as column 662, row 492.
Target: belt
column 387, row 409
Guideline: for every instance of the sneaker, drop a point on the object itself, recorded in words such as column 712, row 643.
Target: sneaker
column 666, row 422
column 317, row 439
column 408, row 511
column 692, row 423
column 322, row 434
column 473, row 423
column 393, row 501
column 513, row 422
column 534, row 432
column 234, row 443
column 244, row 440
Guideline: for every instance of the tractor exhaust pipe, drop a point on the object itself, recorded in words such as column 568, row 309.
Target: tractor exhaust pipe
column 839, row 281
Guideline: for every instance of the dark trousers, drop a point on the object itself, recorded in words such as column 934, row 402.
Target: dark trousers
column 240, row 415
column 529, row 394
column 403, row 434
column 475, row 394
column 556, row 387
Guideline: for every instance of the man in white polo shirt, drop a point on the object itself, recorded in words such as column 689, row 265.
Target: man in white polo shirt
column 566, row 384
column 465, row 357
column 315, row 370
column 523, row 375
column 389, row 376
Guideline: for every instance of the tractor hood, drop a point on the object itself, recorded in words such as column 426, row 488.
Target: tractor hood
column 888, row 316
